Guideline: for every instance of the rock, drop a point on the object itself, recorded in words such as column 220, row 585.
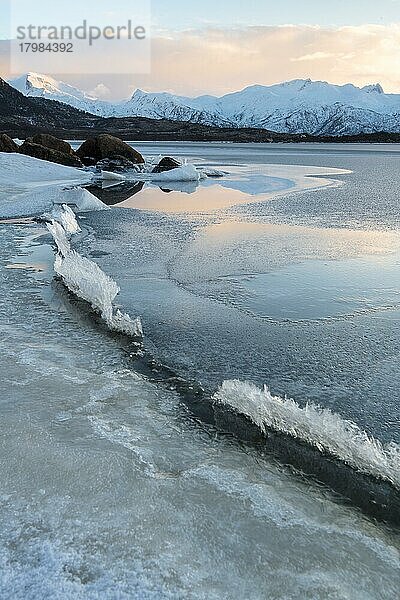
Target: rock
column 118, row 164
column 89, row 161
column 38, row 151
column 213, row 172
column 107, row 146
column 7, row 144
column 166, row 164
column 49, row 141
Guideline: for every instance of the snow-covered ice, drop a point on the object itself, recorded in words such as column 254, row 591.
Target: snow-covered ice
column 109, row 176
column 187, row 172
column 19, row 169
column 84, row 200
column 30, row 187
column 318, row 426
column 64, row 215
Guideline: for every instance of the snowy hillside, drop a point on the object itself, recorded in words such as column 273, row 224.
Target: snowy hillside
column 43, row 86
column 298, row 106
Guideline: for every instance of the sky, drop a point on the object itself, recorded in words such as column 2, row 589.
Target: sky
column 184, row 14
column 218, row 46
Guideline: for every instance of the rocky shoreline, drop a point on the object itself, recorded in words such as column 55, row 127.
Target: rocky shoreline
column 152, row 130
column 102, row 152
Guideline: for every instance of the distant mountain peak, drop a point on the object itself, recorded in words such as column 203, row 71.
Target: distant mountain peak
column 138, row 92
column 373, row 88
column 38, row 85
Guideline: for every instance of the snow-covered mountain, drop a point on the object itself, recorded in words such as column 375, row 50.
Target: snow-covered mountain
column 43, row 86
column 298, row 106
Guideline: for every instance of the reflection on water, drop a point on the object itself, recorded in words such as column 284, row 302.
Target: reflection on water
column 284, row 272
column 204, row 200
column 36, row 267
column 235, row 248
column 319, row 290
column 239, row 186
column 116, row 194
column 256, row 183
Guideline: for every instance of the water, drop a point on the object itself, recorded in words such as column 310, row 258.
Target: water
column 109, row 487
column 226, row 294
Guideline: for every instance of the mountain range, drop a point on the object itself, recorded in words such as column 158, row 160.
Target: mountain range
column 22, row 116
column 299, row 106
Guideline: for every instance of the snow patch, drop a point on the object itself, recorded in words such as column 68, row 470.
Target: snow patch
column 30, row 186
column 41, row 200
column 18, row 169
column 209, row 172
column 185, row 173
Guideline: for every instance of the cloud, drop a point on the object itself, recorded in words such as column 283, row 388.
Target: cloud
column 315, row 56
column 100, row 91
column 225, row 60
column 222, row 60
column 217, row 60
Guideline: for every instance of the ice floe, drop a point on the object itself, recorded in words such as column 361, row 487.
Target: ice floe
column 184, row 173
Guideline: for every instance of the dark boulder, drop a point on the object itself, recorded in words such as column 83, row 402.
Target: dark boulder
column 38, row 151
column 118, row 164
column 49, row 141
column 88, row 161
column 7, row 144
column 107, row 146
column 166, row 164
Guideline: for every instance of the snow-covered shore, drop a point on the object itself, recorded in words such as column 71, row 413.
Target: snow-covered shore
column 20, row 169
column 29, row 186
